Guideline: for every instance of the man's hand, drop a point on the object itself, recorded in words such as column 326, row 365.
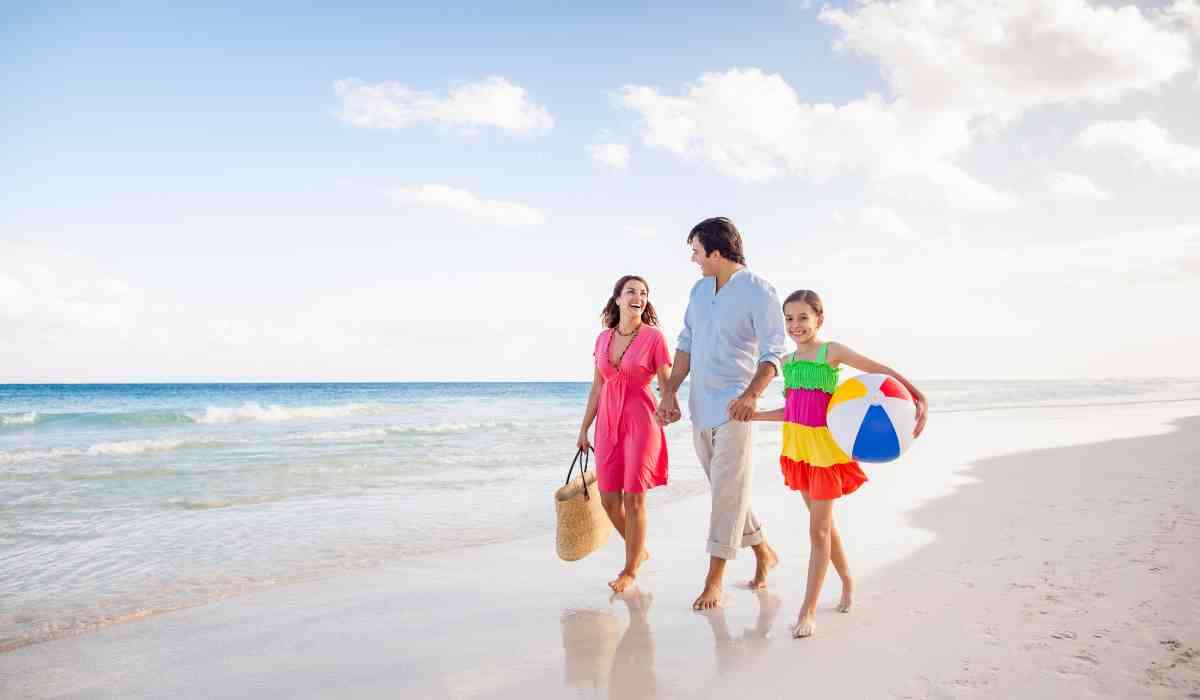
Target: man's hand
column 668, row 409
column 742, row 408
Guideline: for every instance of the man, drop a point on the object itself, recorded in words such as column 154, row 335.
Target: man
column 732, row 344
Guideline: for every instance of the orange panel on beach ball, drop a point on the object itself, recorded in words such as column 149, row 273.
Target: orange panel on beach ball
column 850, row 389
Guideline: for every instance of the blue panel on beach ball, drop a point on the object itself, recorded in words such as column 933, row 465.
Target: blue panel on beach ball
column 876, row 441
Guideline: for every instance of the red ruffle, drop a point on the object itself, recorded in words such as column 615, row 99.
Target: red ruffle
column 822, row 483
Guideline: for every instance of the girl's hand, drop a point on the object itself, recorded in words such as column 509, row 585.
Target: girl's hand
column 582, row 443
column 922, row 412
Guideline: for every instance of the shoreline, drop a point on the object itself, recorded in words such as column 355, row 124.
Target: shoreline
column 323, row 625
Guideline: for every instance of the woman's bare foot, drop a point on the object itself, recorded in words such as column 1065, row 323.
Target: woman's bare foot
column 847, row 600
column 627, row 574
column 622, row 581
column 805, row 626
column 710, row 597
column 763, row 563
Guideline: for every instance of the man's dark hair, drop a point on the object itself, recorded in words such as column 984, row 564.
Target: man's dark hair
column 719, row 235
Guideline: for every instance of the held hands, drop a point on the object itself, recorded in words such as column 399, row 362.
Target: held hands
column 668, row 409
column 743, row 407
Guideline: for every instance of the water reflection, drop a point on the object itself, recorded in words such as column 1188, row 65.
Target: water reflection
column 620, row 664
column 598, row 655
column 733, row 653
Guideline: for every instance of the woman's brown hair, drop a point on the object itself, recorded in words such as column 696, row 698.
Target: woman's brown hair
column 611, row 315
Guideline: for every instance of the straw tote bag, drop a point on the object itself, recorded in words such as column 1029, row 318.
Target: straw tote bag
column 583, row 526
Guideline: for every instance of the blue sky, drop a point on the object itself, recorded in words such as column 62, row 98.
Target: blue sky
column 188, row 196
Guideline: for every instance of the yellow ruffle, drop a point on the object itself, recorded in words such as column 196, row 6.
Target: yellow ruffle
column 802, row 443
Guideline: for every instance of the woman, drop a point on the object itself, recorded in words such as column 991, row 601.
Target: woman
column 631, row 449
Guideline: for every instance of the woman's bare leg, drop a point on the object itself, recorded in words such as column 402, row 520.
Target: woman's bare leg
column 634, row 505
column 820, row 528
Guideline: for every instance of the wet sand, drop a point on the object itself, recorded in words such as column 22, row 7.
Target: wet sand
column 1065, row 570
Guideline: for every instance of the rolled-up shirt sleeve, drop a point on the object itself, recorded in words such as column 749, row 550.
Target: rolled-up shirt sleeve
column 768, row 326
column 684, row 342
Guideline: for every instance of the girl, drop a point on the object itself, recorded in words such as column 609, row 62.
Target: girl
column 631, row 450
column 812, row 462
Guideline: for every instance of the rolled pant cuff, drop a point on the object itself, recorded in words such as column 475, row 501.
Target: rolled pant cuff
column 753, row 540
column 723, row 551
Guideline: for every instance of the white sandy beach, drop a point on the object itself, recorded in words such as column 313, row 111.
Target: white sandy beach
column 1029, row 553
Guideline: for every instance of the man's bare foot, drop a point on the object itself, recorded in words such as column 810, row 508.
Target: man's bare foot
column 847, row 600
column 805, row 626
column 709, row 598
column 763, row 563
column 621, row 582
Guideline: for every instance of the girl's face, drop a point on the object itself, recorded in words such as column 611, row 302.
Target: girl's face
column 802, row 322
column 633, row 298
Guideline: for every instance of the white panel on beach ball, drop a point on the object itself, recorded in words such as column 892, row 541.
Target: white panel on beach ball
column 872, row 417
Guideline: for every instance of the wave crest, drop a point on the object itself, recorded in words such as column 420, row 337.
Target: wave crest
column 19, row 418
column 104, row 449
column 275, row 413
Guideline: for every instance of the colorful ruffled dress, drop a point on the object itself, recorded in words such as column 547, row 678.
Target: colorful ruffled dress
column 811, row 461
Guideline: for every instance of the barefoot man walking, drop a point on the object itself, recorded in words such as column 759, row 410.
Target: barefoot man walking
column 731, row 343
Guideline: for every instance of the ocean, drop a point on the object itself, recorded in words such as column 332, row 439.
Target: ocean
column 119, row 501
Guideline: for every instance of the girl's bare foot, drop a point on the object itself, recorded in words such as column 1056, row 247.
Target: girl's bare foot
column 847, row 600
column 805, row 626
column 763, row 563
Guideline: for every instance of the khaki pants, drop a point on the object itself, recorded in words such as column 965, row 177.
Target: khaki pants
column 724, row 452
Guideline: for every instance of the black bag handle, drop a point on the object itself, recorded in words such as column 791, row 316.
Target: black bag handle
column 583, row 465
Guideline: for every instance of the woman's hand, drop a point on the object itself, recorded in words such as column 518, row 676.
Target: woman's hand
column 582, row 443
column 922, row 413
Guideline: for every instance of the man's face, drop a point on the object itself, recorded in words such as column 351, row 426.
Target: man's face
column 707, row 263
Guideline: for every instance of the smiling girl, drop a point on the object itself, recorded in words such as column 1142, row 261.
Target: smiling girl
column 811, row 461
column 631, row 449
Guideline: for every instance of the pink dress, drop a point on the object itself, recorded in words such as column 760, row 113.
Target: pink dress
column 631, row 449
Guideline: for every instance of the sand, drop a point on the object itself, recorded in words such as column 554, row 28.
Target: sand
column 1036, row 553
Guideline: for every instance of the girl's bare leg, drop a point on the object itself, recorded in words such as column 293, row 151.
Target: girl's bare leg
column 837, row 556
column 820, row 530
column 634, row 505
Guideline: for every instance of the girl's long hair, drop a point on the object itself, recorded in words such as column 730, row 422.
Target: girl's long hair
column 611, row 315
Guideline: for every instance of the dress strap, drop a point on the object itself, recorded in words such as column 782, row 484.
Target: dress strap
column 822, row 353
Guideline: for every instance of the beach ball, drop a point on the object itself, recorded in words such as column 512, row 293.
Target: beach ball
column 872, row 417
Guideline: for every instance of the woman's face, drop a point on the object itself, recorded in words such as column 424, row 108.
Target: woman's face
column 802, row 322
column 633, row 298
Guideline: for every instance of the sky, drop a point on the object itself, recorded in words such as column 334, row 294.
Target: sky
column 389, row 193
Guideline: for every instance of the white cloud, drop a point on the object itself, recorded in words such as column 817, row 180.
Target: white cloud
column 1147, row 142
column 1069, row 184
column 492, row 102
column 50, row 290
column 999, row 59
column 614, row 155
column 1186, row 13
column 957, row 69
column 876, row 219
column 753, row 126
column 446, row 197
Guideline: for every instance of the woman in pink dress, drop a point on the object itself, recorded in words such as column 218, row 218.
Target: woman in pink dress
column 631, row 449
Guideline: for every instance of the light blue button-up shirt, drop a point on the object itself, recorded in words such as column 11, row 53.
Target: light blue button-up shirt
column 728, row 334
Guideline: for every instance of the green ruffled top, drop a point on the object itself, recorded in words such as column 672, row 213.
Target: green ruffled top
column 811, row 374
